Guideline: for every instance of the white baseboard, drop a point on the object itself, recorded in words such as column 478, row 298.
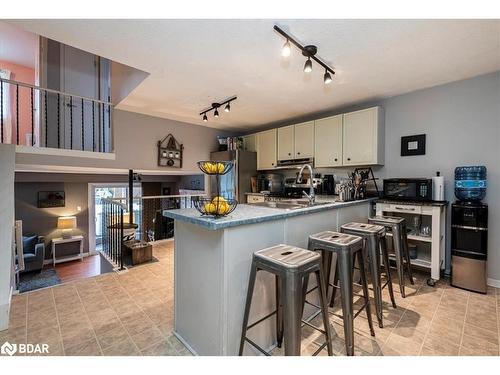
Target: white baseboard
column 5, row 312
column 493, row 282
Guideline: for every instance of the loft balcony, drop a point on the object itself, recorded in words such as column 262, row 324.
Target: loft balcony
column 46, row 121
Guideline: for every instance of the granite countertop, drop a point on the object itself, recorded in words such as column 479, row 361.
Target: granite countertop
column 251, row 214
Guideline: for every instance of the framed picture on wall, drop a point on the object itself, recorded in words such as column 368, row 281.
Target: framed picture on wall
column 412, row 145
column 51, row 199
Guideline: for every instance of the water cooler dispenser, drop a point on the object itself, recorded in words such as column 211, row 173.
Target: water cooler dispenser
column 469, row 230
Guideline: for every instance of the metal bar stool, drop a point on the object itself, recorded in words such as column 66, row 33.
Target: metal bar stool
column 291, row 265
column 348, row 248
column 397, row 225
column 374, row 242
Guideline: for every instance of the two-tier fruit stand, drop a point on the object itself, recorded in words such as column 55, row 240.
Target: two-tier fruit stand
column 216, row 205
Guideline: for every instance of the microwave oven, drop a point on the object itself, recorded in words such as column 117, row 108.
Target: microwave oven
column 412, row 189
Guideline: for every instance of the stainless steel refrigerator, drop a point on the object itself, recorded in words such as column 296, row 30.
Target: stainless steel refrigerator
column 236, row 182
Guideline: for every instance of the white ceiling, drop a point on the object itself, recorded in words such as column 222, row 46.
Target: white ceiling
column 18, row 46
column 196, row 62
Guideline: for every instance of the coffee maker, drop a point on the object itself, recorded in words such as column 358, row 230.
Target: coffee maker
column 329, row 184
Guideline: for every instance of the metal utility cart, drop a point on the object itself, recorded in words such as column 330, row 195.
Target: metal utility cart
column 435, row 214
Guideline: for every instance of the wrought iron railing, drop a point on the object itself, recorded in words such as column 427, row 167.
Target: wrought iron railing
column 113, row 229
column 54, row 118
column 153, row 225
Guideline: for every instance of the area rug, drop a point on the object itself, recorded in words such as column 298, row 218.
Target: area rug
column 34, row 280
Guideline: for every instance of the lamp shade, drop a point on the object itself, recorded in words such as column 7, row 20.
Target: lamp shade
column 66, row 222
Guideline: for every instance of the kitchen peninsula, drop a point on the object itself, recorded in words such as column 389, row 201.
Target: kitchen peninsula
column 212, row 266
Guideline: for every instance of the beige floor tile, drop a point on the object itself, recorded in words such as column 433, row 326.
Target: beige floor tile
column 112, row 336
column 450, row 330
column 72, row 336
column 84, row 348
column 147, row 338
column 406, row 345
column 437, row 346
column 163, row 348
column 123, row 348
column 475, row 346
column 480, row 333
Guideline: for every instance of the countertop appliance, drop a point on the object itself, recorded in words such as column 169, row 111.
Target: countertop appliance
column 236, row 182
column 270, row 182
column 411, row 189
column 329, row 184
column 469, row 245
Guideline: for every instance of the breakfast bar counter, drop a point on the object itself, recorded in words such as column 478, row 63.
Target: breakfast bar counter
column 212, row 266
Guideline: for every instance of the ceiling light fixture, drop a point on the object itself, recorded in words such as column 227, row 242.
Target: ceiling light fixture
column 308, row 66
column 215, row 107
column 327, row 78
column 285, row 51
column 308, row 51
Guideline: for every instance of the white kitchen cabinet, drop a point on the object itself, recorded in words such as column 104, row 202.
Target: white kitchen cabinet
column 249, row 142
column 328, row 142
column 286, row 136
column 266, row 149
column 304, row 140
column 363, row 137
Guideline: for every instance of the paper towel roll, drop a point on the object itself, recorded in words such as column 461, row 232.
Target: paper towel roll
column 438, row 188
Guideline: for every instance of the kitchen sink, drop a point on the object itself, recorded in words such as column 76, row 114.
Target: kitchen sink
column 291, row 204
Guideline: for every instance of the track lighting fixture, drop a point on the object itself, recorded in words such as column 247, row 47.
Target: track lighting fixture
column 308, row 66
column 285, row 51
column 308, row 51
column 327, row 78
column 215, row 107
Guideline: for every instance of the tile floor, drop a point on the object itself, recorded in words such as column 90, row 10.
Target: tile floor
column 132, row 314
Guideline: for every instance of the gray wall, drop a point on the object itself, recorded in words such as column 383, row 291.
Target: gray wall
column 135, row 138
column 7, row 157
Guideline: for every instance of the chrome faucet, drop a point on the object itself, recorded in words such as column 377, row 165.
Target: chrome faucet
column 311, row 196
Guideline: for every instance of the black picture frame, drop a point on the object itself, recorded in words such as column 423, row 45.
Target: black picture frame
column 51, row 199
column 413, row 145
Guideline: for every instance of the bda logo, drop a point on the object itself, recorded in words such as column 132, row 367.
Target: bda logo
column 8, row 348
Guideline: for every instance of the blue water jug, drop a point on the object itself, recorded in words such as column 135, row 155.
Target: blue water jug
column 470, row 183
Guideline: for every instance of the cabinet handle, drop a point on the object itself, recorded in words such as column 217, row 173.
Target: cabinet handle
column 348, row 159
column 404, row 209
column 298, row 153
column 289, row 154
column 336, row 159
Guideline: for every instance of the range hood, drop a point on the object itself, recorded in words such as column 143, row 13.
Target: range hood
column 294, row 163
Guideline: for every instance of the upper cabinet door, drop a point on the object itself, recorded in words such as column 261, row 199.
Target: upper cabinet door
column 328, row 142
column 249, row 142
column 266, row 149
column 304, row 140
column 363, row 133
column 285, row 143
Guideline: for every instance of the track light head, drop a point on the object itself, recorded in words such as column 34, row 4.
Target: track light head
column 308, row 66
column 327, row 78
column 216, row 113
column 227, row 108
column 205, row 118
column 285, row 51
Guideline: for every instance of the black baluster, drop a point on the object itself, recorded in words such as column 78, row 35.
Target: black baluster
column 103, row 131
column 32, row 120
column 46, row 120
column 83, row 129
column 17, row 114
column 58, row 120
column 1, row 109
column 93, row 126
column 121, row 239
column 71, row 123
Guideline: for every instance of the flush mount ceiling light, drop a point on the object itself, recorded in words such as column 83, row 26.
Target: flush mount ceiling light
column 215, row 107
column 308, row 51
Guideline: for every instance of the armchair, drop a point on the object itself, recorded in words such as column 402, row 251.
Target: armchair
column 34, row 253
